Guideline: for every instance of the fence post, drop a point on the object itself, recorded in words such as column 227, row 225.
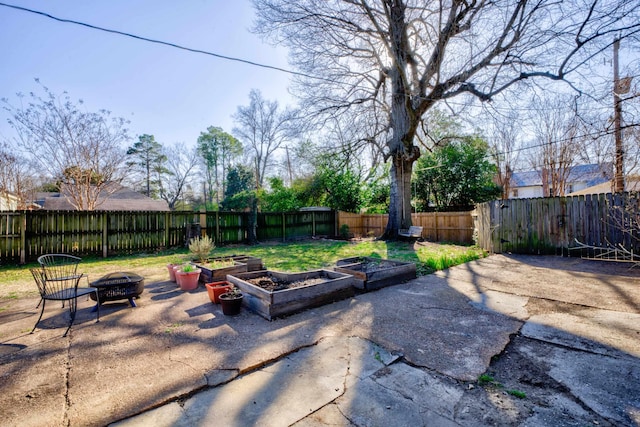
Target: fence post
column 217, row 239
column 105, row 236
column 23, row 237
column 435, row 220
column 313, row 224
column 203, row 221
column 284, row 228
column 166, row 229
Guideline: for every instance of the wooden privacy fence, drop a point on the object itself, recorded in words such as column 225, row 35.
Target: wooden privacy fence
column 25, row 235
column 556, row 224
column 436, row 226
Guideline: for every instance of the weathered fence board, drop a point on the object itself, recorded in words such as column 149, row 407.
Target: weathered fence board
column 553, row 225
column 436, row 226
column 25, row 235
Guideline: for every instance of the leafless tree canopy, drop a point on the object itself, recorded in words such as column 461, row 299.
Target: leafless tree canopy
column 81, row 150
column 181, row 166
column 387, row 62
column 504, row 135
column 558, row 141
column 16, row 177
column 263, row 128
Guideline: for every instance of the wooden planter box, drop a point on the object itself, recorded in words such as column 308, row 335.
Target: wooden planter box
column 208, row 275
column 271, row 304
column 375, row 273
column 253, row 263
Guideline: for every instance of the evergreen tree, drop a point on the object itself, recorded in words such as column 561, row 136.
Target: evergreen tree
column 148, row 159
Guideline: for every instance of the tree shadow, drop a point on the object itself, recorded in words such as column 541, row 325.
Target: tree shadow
column 172, row 347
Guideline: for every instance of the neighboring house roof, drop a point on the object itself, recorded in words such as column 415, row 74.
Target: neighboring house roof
column 589, row 174
column 122, row 199
column 632, row 183
column 526, row 179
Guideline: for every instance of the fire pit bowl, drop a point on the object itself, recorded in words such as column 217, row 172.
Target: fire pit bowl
column 117, row 286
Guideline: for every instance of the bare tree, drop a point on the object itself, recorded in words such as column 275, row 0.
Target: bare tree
column 180, row 166
column 557, row 143
column 17, row 178
column 393, row 60
column 82, row 150
column 263, row 127
column 504, row 136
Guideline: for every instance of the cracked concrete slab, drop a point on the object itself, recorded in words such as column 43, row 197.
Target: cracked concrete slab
column 610, row 386
column 597, row 284
column 472, row 336
column 279, row 394
column 401, row 395
column 436, row 334
column 596, row 331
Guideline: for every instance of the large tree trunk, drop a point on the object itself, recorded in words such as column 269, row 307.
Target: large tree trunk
column 400, row 195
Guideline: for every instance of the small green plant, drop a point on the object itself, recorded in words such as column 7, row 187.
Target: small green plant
column 344, row 231
column 201, row 247
column 176, row 260
column 171, row 327
column 486, row 379
column 377, row 357
column 234, row 292
column 220, row 263
column 517, row 393
column 188, row 268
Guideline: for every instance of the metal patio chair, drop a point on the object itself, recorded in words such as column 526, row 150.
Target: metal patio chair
column 58, row 280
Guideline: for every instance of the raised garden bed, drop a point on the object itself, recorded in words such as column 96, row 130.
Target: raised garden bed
column 375, row 273
column 212, row 273
column 253, row 263
column 272, row 293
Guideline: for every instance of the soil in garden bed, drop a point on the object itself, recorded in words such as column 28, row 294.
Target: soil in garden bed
column 368, row 266
column 271, row 283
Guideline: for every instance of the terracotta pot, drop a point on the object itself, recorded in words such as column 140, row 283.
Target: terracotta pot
column 215, row 289
column 230, row 304
column 188, row 280
column 176, row 268
column 172, row 272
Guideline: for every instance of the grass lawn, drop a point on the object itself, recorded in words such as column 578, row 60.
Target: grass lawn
column 16, row 281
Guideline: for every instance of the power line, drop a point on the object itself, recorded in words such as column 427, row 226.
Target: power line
column 164, row 43
column 220, row 56
column 256, row 64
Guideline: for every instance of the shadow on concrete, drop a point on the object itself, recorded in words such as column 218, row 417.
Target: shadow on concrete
column 448, row 329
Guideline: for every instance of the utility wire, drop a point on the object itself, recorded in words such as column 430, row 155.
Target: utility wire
column 216, row 55
column 174, row 45
column 246, row 61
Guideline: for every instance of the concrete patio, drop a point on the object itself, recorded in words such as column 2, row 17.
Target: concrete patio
column 564, row 332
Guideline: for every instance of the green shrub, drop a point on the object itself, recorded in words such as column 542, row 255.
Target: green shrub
column 344, row 231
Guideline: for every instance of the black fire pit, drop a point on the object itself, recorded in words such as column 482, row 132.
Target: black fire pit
column 117, row 286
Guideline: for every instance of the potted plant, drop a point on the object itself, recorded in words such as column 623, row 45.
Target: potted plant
column 231, row 301
column 187, row 277
column 201, row 247
column 172, row 268
column 215, row 289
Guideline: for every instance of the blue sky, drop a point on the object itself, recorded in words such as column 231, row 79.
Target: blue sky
column 170, row 93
